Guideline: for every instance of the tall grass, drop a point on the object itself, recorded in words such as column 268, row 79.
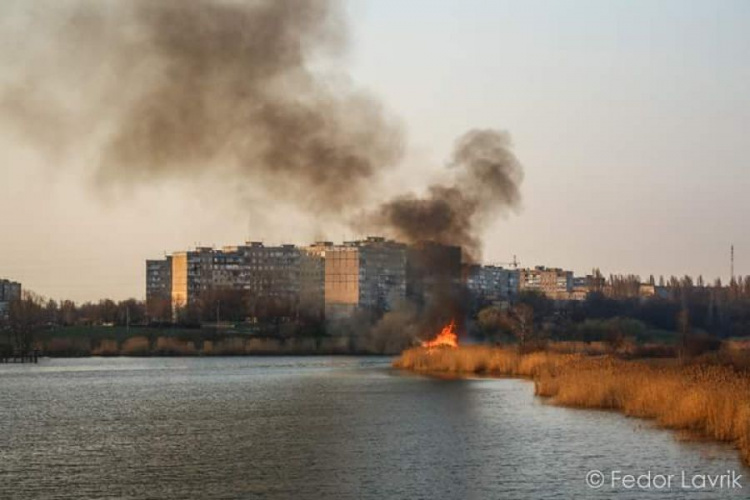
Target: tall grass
column 106, row 347
column 66, row 347
column 172, row 346
column 482, row 360
column 135, row 346
column 198, row 345
column 705, row 396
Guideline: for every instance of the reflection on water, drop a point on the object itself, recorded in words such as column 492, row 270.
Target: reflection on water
column 327, row 427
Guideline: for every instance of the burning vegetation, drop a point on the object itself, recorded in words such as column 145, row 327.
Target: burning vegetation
column 446, row 338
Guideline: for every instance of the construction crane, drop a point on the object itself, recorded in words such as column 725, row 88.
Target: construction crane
column 514, row 264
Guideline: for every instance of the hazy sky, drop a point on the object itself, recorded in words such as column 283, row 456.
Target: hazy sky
column 630, row 118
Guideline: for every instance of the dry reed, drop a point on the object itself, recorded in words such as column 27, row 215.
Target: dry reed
column 706, row 396
column 170, row 346
column 106, row 347
column 135, row 346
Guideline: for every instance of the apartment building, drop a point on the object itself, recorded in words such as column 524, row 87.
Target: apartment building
column 9, row 291
column 285, row 276
column 159, row 289
column 649, row 290
column 555, row 283
column 492, row 283
column 253, row 267
column 366, row 274
column 584, row 285
column 311, row 286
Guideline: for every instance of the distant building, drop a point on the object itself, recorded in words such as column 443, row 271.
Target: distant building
column 9, row 291
column 191, row 275
column 648, row 290
column 312, row 286
column 283, row 278
column 555, row 283
column 159, row 289
column 584, row 285
column 259, row 270
column 492, row 283
column 364, row 275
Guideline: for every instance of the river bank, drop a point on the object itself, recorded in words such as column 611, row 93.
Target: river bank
column 708, row 396
column 215, row 345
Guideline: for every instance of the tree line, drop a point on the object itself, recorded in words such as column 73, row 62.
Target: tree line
column 684, row 305
column 624, row 306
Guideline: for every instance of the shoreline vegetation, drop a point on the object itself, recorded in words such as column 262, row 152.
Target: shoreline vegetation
column 168, row 346
column 708, row 395
column 147, row 342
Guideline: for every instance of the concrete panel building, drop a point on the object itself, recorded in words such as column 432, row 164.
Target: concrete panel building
column 585, row 285
column 284, row 276
column 555, row 283
column 364, row 275
column 311, row 286
column 9, row 291
column 492, row 283
column 159, row 289
column 255, row 268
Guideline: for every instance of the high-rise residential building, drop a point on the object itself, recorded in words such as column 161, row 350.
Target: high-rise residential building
column 9, row 291
column 492, row 283
column 311, row 286
column 191, row 276
column 159, row 289
column 555, row 283
column 270, row 272
column 364, row 275
column 282, row 280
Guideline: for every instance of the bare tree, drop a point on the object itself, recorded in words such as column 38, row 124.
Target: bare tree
column 523, row 323
column 25, row 317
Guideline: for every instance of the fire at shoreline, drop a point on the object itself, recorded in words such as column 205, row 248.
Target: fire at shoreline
column 446, row 338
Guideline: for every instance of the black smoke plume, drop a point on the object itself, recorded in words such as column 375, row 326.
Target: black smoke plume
column 240, row 90
column 487, row 179
column 246, row 91
column 234, row 89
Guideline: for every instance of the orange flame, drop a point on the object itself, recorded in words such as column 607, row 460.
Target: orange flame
column 446, row 338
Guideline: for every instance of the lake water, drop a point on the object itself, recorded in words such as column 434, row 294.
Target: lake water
column 320, row 427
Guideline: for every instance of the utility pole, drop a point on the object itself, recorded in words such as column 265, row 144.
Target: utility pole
column 731, row 265
column 127, row 319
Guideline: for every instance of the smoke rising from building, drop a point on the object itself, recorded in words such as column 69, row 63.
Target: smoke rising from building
column 487, row 178
column 242, row 91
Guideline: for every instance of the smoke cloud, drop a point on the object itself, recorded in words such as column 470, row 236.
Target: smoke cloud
column 247, row 91
column 486, row 183
column 227, row 88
